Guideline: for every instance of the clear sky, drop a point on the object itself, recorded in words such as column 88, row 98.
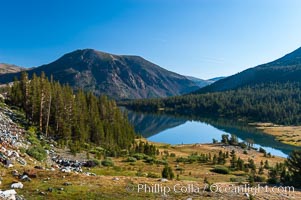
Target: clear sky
column 202, row 38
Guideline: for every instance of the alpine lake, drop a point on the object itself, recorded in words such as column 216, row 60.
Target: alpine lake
column 178, row 130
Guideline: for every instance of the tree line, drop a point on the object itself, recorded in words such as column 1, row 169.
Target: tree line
column 72, row 119
column 273, row 102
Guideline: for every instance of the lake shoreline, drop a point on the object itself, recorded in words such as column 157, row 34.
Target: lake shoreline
column 290, row 135
column 180, row 130
column 211, row 147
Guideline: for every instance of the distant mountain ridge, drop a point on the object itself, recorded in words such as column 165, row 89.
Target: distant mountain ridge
column 199, row 82
column 203, row 83
column 8, row 68
column 118, row 76
column 286, row 68
column 213, row 80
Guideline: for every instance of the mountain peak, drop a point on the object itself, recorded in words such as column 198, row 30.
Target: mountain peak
column 87, row 53
column 118, row 76
column 293, row 58
column 92, row 54
column 282, row 70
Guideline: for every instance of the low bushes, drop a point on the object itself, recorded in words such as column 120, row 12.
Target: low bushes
column 37, row 152
column 221, row 170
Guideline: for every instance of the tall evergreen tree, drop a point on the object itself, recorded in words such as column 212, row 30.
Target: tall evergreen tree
column 72, row 118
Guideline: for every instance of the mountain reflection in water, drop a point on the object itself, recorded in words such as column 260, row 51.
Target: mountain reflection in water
column 181, row 130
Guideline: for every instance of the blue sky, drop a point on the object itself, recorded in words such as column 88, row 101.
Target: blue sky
column 202, row 38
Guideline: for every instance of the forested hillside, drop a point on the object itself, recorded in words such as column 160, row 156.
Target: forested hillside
column 71, row 118
column 273, row 102
column 287, row 68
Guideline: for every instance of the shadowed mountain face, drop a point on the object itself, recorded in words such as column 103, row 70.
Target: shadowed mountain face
column 287, row 68
column 7, row 68
column 120, row 77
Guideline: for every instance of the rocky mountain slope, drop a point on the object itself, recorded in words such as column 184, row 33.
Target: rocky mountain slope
column 7, row 68
column 120, row 77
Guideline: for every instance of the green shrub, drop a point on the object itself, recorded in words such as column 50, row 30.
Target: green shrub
column 251, row 180
column 167, row 173
column 32, row 130
column 131, row 159
column 86, row 146
column 152, row 175
column 99, row 149
column 161, row 162
column 172, row 155
column 107, row 162
column 260, row 179
column 139, row 156
column 221, row 170
column 242, row 145
column 93, row 151
column 37, row 152
column 97, row 162
column 149, row 159
column 22, row 150
column 262, row 150
column 181, row 159
column 46, row 146
column 32, row 137
column 192, row 158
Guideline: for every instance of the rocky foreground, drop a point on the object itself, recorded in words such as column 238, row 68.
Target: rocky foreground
column 11, row 139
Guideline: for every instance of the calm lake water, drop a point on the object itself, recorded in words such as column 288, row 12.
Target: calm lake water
column 175, row 130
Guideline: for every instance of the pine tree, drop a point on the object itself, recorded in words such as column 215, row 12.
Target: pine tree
column 233, row 160
column 240, row 164
column 167, row 172
column 221, row 158
column 294, row 167
column 73, row 118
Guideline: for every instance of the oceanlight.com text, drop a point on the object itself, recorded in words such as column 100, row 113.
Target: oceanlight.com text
column 215, row 188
